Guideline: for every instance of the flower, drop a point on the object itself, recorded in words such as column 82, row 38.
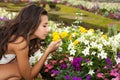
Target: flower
column 82, row 29
column 63, row 34
column 76, row 64
column 63, row 66
column 100, row 75
column 55, row 36
column 118, row 54
column 84, row 54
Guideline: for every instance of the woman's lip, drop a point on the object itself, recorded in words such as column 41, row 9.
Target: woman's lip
column 45, row 34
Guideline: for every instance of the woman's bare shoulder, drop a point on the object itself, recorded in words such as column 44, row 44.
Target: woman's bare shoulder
column 18, row 44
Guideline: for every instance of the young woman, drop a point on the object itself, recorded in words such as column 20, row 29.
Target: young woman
column 18, row 39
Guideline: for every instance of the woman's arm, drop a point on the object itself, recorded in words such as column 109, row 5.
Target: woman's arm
column 37, row 67
column 26, row 71
column 21, row 50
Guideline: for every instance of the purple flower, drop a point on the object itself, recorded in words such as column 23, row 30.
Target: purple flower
column 88, row 77
column 4, row 19
column 63, row 66
column 0, row 19
column 67, row 77
column 76, row 78
column 76, row 64
column 87, row 60
column 118, row 54
column 108, row 61
column 56, row 72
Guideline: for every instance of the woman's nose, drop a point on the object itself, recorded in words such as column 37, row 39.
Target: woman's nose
column 48, row 29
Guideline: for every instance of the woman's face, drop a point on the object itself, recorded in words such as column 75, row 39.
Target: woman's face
column 43, row 28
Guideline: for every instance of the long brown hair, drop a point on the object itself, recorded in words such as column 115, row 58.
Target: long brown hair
column 24, row 24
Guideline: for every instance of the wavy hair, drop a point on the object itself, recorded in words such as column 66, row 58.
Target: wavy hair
column 24, row 24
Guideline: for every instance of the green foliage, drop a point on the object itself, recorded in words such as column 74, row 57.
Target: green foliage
column 90, row 20
column 67, row 14
column 112, row 30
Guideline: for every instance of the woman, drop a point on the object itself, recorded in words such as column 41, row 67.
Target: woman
column 19, row 39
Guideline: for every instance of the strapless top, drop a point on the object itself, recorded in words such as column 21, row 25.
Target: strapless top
column 7, row 58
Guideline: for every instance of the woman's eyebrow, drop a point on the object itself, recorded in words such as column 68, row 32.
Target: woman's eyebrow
column 46, row 23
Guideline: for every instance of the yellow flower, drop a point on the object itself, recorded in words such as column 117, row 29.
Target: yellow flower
column 105, row 36
column 70, row 37
column 55, row 36
column 55, row 33
column 75, row 42
column 82, row 29
column 63, row 34
column 91, row 30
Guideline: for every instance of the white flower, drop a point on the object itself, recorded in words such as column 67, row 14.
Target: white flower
column 105, row 42
column 99, row 46
column 117, row 60
column 91, row 72
column 90, row 63
column 86, row 42
column 38, row 54
column 102, row 54
column 93, row 53
column 32, row 60
column 70, row 46
column 82, row 38
column 60, row 49
column 70, row 58
column 35, row 58
column 86, row 51
column 93, row 44
column 90, row 32
column 72, row 52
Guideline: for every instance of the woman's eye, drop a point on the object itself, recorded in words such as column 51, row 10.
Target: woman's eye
column 44, row 26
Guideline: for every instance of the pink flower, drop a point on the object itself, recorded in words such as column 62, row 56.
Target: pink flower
column 98, row 70
column 100, row 75
column 54, row 61
column 49, row 66
column 106, row 79
column 114, row 73
column 61, row 61
column 66, row 59
column 105, row 67
column 46, row 70
column 52, row 75
column 117, row 78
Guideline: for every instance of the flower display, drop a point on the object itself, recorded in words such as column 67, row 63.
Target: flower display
column 84, row 54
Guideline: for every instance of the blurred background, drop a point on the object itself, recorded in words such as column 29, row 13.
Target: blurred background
column 97, row 14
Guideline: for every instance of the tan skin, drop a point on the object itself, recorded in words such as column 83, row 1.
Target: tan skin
column 21, row 66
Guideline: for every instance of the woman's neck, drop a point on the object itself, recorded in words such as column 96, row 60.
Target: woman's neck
column 32, row 37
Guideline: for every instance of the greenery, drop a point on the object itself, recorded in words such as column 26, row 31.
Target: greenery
column 68, row 14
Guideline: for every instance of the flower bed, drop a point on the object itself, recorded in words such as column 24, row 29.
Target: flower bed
column 83, row 55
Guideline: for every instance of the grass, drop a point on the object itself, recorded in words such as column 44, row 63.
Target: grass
column 93, row 20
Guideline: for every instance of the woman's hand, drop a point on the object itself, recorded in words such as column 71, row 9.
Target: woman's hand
column 53, row 46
